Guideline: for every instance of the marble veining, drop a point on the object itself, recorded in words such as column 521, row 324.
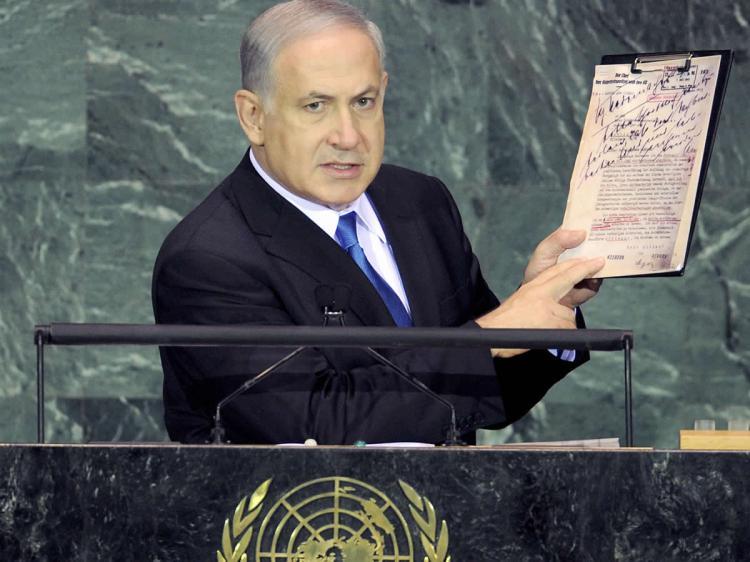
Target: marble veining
column 117, row 118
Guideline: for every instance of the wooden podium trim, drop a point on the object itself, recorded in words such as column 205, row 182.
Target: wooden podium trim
column 714, row 440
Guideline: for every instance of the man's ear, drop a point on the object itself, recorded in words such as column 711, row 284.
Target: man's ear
column 251, row 115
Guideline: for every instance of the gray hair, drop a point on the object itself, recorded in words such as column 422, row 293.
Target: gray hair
column 279, row 25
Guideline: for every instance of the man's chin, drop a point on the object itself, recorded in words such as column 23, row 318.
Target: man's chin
column 340, row 196
column 339, row 204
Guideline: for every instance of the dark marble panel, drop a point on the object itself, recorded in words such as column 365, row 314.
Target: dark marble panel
column 107, row 419
column 161, row 77
column 436, row 105
column 156, row 503
column 42, row 124
column 42, row 59
column 118, row 118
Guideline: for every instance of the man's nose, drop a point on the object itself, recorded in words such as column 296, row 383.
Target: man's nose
column 345, row 133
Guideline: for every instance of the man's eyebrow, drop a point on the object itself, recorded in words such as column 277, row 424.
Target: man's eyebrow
column 316, row 95
column 313, row 94
column 368, row 90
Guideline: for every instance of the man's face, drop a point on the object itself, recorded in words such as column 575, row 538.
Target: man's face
column 323, row 132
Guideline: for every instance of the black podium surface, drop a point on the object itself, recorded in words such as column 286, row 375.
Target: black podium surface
column 171, row 502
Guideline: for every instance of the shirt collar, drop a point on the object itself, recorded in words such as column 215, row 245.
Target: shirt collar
column 327, row 219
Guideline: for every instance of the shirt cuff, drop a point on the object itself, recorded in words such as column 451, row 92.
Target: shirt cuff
column 564, row 354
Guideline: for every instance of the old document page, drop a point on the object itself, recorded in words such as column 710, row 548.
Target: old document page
column 636, row 176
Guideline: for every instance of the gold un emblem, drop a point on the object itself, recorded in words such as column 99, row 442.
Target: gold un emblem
column 334, row 519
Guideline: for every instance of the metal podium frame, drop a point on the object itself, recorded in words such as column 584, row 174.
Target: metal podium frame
column 66, row 334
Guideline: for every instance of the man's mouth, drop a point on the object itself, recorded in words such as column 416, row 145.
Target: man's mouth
column 343, row 170
column 341, row 165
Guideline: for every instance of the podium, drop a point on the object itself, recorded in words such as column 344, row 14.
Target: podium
column 472, row 504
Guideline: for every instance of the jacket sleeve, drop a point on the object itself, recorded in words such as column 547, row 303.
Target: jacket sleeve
column 523, row 380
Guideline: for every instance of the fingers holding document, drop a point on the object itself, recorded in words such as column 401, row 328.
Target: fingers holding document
column 540, row 302
column 582, row 292
column 548, row 251
column 546, row 255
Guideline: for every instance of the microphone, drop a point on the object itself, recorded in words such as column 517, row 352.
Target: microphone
column 333, row 300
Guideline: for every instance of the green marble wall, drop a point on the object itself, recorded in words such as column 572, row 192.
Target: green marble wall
column 116, row 118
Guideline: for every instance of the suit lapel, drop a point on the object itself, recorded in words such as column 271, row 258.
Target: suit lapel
column 405, row 231
column 299, row 241
column 291, row 236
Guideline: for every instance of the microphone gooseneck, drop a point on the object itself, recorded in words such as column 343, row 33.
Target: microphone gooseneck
column 218, row 432
column 333, row 300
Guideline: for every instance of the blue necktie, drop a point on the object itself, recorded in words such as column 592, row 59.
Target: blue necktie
column 346, row 234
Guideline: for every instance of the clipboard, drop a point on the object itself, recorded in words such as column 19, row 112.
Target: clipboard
column 672, row 65
column 654, row 62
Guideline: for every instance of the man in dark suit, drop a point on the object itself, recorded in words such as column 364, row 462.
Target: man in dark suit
column 311, row 204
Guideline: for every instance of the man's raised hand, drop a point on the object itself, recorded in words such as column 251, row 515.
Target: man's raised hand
column 541, row 301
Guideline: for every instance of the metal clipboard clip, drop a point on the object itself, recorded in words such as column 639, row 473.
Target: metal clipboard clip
column 685, row 57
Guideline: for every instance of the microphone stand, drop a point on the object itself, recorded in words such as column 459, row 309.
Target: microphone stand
column 333, row 301
column 323, row 293
column 452, row 437
column 218, row 432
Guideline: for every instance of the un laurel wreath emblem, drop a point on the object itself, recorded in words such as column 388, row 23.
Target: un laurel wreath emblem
column 334, row 519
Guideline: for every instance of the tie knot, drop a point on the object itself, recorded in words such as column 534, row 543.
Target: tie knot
column 346, row 231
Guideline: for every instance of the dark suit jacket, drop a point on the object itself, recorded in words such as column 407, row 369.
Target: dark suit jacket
column 247, row 256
